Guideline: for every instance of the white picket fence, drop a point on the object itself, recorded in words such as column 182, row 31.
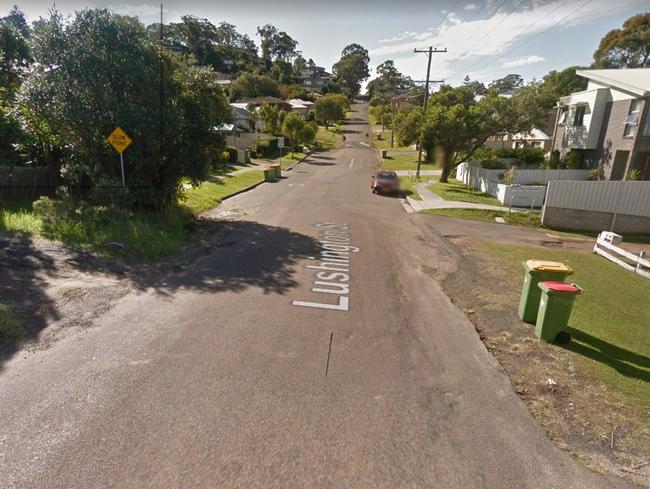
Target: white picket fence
column 606, row 246
column 631, row 198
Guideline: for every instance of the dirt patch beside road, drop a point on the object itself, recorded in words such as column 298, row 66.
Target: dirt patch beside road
column 579, row 411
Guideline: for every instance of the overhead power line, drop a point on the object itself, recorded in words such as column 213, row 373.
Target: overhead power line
column 487, row 60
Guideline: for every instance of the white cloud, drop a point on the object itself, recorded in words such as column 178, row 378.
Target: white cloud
column 471, row 42
column 142, row 10
column 470, row 6
column 522, row 61
column 399, row 37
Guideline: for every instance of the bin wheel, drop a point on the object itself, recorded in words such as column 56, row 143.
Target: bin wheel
column 562, row 337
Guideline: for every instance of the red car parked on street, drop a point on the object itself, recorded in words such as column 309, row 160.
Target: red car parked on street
column 385, row 182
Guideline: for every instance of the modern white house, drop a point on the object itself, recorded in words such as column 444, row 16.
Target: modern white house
column 608, row 124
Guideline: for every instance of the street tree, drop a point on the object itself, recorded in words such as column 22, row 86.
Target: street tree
column 328, row 109
column 564, row 82
column 352, row 69
column 270, row 116
column 83, row 88
column 276, row 44
column 477, row 87
column 628, row 47
column 292, row 127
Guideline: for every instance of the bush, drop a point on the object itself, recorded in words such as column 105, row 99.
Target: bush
column 493, row 164
column 229, row 155
column 265, row 147
column 530, row 156
column 573, row 161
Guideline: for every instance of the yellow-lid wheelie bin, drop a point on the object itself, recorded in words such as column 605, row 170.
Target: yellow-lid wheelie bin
column 538, row 271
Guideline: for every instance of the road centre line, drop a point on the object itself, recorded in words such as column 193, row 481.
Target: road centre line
column 351, row 162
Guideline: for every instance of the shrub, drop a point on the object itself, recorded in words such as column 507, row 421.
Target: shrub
column 493, row 164
column 265, row 147
column 573, row 161
column 530, row 156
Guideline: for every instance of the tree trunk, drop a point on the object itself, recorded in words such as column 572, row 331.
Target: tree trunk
column 447, row 165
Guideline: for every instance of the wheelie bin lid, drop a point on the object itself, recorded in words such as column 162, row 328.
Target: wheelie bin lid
column 549, row 266
column 560, row 287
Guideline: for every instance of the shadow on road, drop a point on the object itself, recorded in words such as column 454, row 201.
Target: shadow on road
column 25, row 308
column 248, row 254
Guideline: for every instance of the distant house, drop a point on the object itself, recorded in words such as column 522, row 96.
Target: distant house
column 314, row 77
column 300, row 106
column 535, row 138
column 608, row 124
column 242, row 118
column 257, row 101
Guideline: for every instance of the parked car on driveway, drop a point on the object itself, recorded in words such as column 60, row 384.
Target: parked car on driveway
column 384, row 182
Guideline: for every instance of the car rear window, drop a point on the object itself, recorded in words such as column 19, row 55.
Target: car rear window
column 386, row 174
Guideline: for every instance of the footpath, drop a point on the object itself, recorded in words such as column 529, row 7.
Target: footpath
column 431, row 200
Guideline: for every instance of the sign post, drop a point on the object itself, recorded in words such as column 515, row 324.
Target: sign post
column 281, row 147
column 120, row 141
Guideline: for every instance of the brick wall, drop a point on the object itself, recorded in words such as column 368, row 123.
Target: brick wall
column 580, row 220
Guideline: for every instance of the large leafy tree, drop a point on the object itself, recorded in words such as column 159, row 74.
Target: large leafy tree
column 628, row 47
column 507, row 84
column 329, row 109
column 352, row 69
column 276, row 45
column 83, row 88
column 565, row 82
column 15, row 58
column 388, row 83
column 457, row 124
column 248, row 85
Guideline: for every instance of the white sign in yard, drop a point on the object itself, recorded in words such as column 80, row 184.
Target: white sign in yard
column 332, row 268
column 280, row 142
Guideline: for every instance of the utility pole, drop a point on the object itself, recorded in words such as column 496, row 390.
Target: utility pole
column 428, row 52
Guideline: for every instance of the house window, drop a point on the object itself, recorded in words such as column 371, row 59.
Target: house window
column 579, row 117
column 563, row 113
column 632, row 119
column 646, row 127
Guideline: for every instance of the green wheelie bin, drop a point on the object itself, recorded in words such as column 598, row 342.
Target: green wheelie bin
column 554, row 310
column 269, row 174
column 538, row 271
column 277, row 170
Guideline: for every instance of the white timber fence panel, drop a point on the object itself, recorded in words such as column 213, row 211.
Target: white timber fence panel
column 606, row 246
column 631, row 198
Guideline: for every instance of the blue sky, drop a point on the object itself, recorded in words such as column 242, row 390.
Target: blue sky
column 485, row 39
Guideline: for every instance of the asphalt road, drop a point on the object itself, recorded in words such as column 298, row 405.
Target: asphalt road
column 214, row 378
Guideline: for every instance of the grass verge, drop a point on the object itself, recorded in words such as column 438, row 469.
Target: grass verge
column 382, row 140
column 457, row 191
column 596, row 408
column 405, row 161
column 209, row 194
column 515, row 218
column 328, row 138
column 407, row 185
column 146, row 234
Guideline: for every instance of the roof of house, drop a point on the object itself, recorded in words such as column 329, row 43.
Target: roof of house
column 262, row 100
column 240, row 107
column 297, row 101
column 634, row 80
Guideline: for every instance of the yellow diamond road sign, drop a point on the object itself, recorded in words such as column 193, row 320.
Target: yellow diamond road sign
column 119, row 140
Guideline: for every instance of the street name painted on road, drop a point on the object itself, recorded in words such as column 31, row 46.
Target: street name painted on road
column 333, row 267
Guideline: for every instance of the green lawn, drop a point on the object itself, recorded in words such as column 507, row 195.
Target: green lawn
column 407, row 185
column 609, row 324
column 405, row 161
column 456, row 191
column 287, row 159
column 146, row 234
column 328, row 138
column 382, row 141
column 516, row 218
column 209, row 194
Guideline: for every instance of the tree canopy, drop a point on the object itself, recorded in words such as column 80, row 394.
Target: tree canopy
column 352, row 69
column 628, row 47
